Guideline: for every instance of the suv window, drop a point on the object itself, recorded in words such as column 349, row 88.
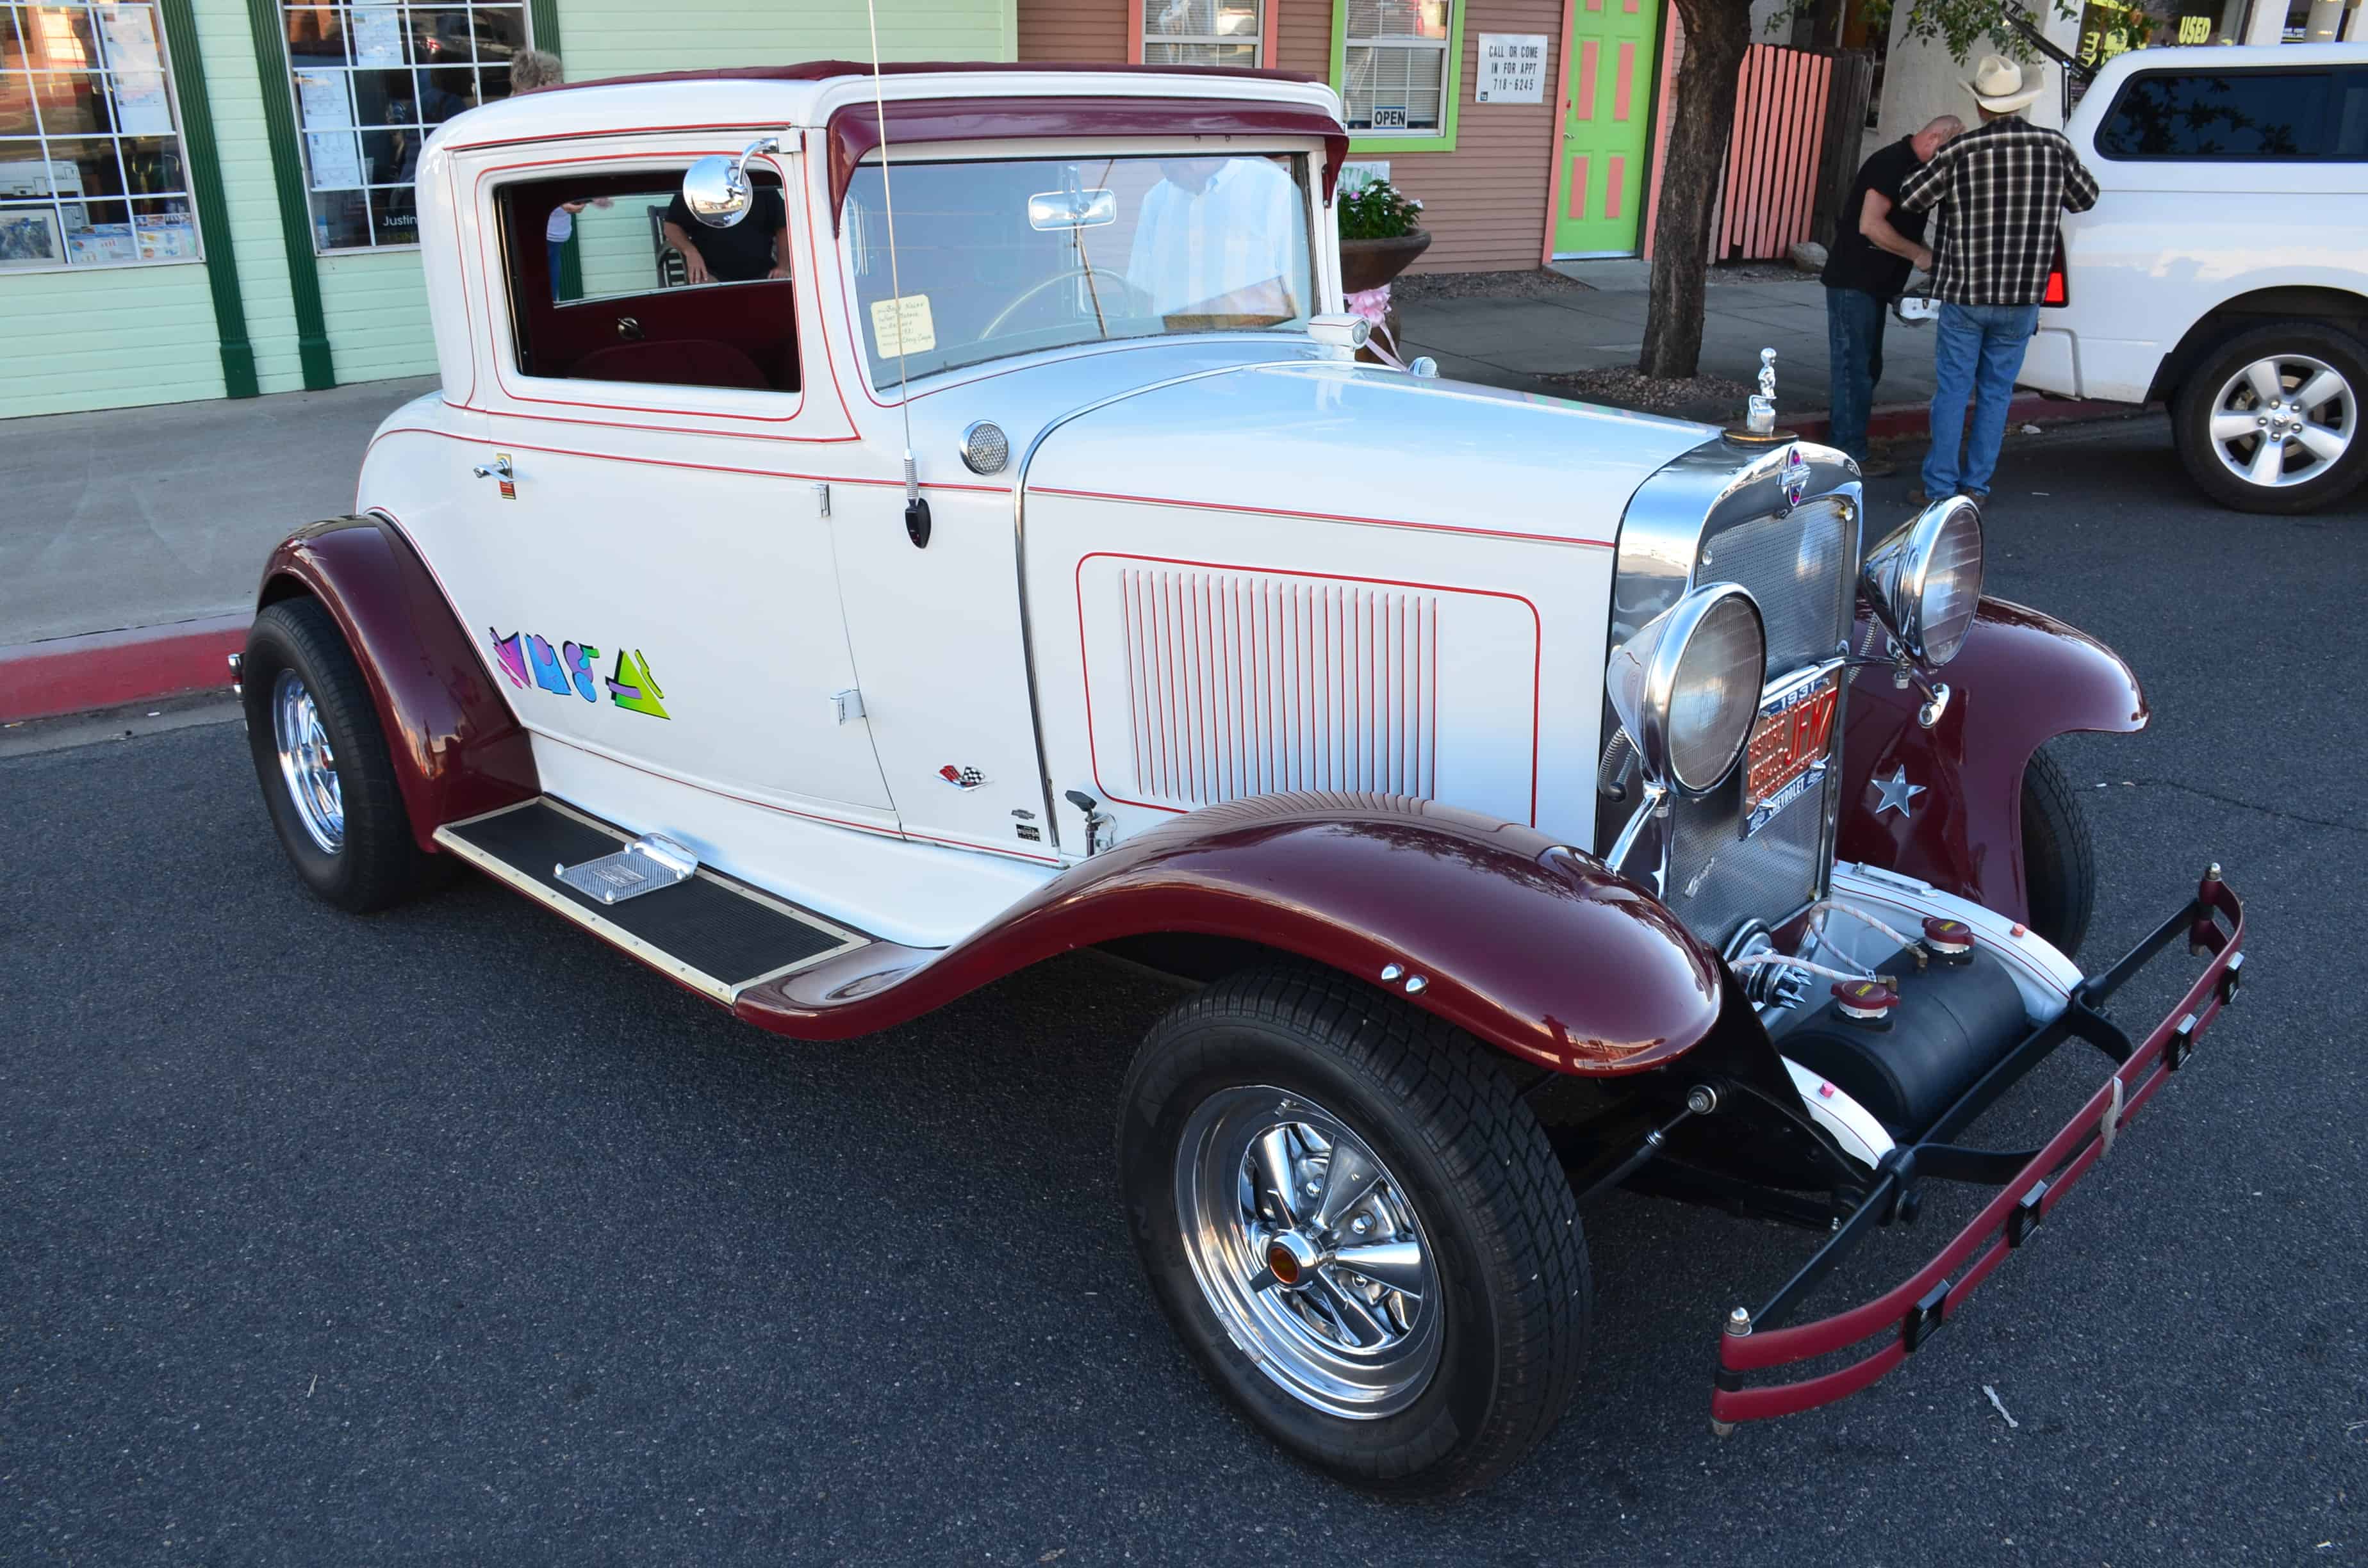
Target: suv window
column 2257, row 116
column 601, row 290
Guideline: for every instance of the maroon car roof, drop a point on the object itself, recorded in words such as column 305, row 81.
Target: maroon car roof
column 823, row 70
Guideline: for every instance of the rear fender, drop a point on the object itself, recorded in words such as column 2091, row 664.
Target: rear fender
column 2022, row 679
column 457, row 750
column 1536, row 949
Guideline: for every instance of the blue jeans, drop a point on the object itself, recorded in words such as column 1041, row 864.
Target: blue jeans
column 554, row 249
column 1976, row 358
column 1854, row 333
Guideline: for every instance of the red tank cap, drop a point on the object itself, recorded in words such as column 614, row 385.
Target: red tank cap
column 1865, row 999
column 1951, row 936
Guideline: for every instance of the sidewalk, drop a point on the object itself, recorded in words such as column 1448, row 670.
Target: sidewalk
column 1511, row 342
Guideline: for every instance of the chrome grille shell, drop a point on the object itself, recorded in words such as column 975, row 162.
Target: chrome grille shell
column 1721, row 513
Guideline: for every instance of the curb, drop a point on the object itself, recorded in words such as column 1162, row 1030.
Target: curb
column 106, row 669
column 1916, row 418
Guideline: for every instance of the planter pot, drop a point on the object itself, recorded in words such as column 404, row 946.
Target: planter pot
column 1369, row 264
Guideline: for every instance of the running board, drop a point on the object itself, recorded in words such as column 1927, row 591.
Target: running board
column 715, row 935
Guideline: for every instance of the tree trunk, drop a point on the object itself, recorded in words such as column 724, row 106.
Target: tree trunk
column 1717, row 31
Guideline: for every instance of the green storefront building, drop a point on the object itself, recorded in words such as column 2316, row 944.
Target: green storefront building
column 204, row 199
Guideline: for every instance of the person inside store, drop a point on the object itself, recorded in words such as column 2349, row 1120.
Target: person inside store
column 1872, row 257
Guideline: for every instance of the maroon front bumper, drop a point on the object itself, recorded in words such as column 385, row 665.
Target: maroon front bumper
column 2029, row 1183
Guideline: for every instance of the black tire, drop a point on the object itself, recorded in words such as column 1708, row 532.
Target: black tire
column 2059, row 858
column 2198, row 400
column 377, row 864
column 1494, row 1205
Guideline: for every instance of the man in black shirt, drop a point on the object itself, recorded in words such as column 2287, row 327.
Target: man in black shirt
column 1878, row 245
column 756, row 246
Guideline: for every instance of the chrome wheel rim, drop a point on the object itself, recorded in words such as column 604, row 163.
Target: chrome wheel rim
column 1309, row 1251
column 308, row 766
column 2285, row 420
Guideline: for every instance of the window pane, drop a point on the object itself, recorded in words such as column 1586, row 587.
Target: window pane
column 501, row 33
column 151, row 165
column 24, row 172
column 445, row 93
column 16, row 106
column 374, row 35
column 441, row 38
column 70, row 104
column 316, row 35
column 12, row 40
column 1395, row 88
column 340, row 219
column 1398, row 18
column 1199, row 54
column 2249, row 114
column 98, row 232
column 30, row 237
column 85, row 166
column 59, row 38
column 164, row 230
column 335, row 161
column 1202, row 18
column 394, row 216
column 2350, row 129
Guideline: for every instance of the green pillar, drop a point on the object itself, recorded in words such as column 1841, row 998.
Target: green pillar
column 206, row 188
column 295, row 211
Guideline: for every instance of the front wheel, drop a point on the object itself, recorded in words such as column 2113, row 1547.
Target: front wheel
column 1357, row 1228
column 2059, row 858
column 2270, row 420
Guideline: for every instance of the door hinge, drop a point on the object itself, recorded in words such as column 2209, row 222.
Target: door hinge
column 846, row 705
column 822, row 500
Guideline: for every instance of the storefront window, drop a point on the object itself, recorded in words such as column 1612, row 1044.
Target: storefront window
column 1397, row 65
column 91, row 169
column 371, row 79
column 1202, row 32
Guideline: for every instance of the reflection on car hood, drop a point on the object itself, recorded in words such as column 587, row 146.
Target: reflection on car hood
column 1341, row 440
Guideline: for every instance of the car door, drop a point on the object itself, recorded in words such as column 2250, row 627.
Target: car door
column 651, row 563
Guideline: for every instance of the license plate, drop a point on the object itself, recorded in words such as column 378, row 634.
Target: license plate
column 1790, row 745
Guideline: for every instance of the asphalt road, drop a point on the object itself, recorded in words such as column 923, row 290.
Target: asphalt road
column 449, row 1235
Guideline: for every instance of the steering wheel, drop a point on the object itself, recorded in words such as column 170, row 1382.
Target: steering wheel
column 1079, row 269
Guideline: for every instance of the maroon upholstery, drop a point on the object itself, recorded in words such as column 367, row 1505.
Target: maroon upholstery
column 697, row 362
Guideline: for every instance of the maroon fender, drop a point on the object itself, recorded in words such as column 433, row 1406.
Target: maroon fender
column 2022, row 679
column 1494, row 927
column 458, row 751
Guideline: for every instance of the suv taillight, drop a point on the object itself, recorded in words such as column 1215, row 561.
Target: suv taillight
column 2056, row 294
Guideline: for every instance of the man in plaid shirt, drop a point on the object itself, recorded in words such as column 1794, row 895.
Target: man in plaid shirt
column 2000, row 187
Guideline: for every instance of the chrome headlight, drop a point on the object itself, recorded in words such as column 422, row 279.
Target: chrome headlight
column 1926, row 580
column 1687, row 687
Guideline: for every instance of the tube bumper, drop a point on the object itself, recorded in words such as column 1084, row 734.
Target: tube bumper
column 2030, row 1182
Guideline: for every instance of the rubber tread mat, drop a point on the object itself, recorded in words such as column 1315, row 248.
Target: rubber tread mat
column 705, row 923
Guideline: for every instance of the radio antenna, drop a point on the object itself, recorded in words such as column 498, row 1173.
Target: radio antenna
column 916, row 511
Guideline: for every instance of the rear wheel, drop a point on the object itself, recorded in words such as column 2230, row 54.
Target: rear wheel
column 2059, row 859
column 2270, row 420
column 1358, row 1229
column 323, row 762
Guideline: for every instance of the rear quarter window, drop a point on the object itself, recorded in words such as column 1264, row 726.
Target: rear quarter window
column 2247, row 116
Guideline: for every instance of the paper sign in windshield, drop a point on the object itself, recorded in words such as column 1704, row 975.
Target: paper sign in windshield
column 919, row 331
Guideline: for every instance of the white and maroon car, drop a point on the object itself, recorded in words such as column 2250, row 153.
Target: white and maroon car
column 1007, row 554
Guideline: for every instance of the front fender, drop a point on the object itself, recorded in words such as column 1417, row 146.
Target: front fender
column 457, row 750
column 1536, row 949
column 2022, row 679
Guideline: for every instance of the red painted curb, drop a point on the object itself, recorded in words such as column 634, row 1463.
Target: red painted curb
column 1916, row 418
column 103, row 669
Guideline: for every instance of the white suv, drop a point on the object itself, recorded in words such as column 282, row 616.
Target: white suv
column 2224, row 270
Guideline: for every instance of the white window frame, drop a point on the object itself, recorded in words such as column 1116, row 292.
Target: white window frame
column 1447, row 83
column 37, row 145
column 1255, row 38
column 304, row 135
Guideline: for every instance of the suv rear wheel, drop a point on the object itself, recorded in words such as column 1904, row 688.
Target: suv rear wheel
column 2270, row 420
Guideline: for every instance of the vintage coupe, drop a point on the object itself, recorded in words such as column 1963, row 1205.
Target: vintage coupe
column 989, row 545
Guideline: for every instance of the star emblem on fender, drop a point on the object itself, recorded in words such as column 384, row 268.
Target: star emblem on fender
column 1896, row 792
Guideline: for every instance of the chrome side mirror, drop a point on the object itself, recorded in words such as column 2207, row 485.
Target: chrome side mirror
column 716, row 189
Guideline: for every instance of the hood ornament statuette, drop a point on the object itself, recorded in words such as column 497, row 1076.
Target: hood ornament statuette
column 1758, row 426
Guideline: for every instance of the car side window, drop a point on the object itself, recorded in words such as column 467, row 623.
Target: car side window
column 2255, row 116
column 611, row 279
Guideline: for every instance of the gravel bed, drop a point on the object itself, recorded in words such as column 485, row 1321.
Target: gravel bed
column 1713, row 398
column 1533, row 284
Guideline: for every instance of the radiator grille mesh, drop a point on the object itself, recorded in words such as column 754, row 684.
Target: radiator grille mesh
column 1802, row 568
column 1240, row 685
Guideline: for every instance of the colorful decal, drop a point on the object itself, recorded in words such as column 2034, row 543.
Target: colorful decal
column 570, row 670
column 962, row 777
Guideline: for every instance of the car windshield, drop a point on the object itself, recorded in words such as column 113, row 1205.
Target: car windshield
column 1005, row 257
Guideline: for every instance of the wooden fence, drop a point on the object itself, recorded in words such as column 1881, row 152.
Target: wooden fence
column 1769, row 199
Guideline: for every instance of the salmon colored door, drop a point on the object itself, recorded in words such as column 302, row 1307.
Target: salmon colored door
column 1606, row 122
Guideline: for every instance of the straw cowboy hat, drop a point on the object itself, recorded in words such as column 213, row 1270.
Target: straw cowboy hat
column 1997, row 84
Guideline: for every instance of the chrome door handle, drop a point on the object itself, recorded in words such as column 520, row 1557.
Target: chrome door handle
column 497, row 469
